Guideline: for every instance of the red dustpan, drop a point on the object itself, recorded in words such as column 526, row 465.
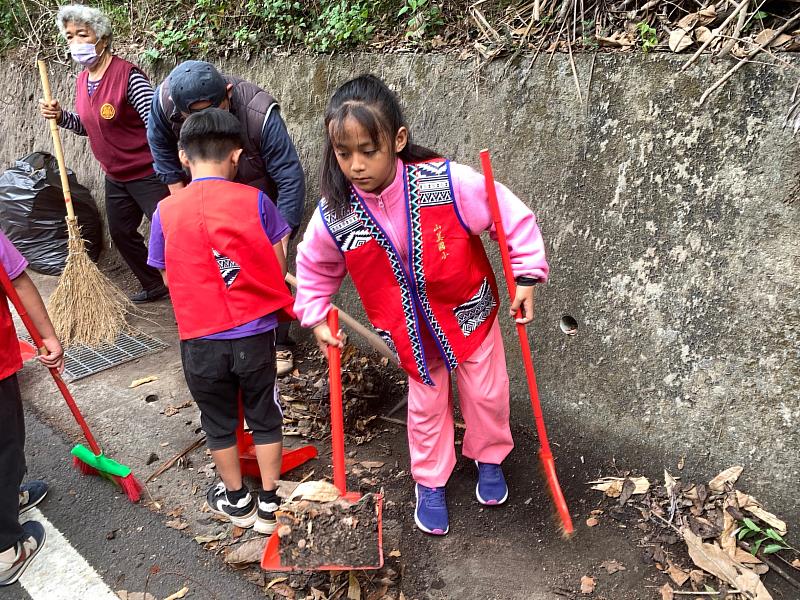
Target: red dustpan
column 271, row 561
column 248, row 462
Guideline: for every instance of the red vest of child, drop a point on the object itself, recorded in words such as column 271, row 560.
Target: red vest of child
column 117, row 134
column 221, row 266
column 10, row 357
column 447, row 286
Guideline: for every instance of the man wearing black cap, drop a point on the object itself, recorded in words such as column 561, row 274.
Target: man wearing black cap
column 269, row 160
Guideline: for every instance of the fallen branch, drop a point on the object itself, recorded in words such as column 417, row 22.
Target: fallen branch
column 721, row 81
column 714, row 36
column 198, row 442
column 726, row 48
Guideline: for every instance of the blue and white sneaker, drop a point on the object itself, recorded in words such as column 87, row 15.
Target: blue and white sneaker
column 30, row 494
column 491, row 489
column 24, row 552
column 430, row 514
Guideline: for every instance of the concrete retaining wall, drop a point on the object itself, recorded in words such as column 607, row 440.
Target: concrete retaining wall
column 670, row 241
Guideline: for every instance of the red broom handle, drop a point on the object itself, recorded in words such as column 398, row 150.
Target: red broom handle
column 491, row 192
column 11, row 292
column 337, row 411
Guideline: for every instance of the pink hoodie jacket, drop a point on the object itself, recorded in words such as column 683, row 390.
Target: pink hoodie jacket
column 321, row 267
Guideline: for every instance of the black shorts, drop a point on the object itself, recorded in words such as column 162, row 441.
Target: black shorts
column 216, row 370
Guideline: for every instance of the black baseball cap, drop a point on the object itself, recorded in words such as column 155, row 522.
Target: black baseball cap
column 196, row 81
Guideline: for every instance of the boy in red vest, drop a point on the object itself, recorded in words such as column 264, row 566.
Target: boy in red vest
column 18, row 543
column 218, row 245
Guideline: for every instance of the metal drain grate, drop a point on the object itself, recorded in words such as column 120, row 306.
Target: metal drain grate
column 82, row 361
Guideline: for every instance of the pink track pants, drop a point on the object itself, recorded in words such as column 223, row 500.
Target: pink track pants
column 484, row 398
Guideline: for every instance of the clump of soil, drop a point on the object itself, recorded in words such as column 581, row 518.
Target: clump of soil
column 315, row 534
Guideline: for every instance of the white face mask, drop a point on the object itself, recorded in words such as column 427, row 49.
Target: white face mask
column 84, row 53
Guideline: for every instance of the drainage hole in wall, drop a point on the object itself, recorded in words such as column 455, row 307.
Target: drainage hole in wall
column 568, row 325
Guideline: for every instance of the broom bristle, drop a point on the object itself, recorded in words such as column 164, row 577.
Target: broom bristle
column 83, row 467
column 548, row 466
column 86, row 308
column 131, row 486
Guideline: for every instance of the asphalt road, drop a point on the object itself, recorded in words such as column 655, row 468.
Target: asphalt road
column 120, row 540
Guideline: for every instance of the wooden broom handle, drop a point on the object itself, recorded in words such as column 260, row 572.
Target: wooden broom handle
column 62, row 168
column 371, row 338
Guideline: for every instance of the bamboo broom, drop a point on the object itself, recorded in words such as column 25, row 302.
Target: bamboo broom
column 86, row 308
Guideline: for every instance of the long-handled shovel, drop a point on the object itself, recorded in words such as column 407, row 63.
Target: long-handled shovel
column 545, row 454
column 272, row 561
column 86, row 308
column 88, row 462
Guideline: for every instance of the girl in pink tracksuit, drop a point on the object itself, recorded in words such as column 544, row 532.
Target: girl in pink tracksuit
column 405, row 224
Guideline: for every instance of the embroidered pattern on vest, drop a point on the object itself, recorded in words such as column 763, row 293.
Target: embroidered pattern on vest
column 355, row 225
column 348, row 231
column 387, row 339
column 428, row 185
column 474, row 312
column 228, row 269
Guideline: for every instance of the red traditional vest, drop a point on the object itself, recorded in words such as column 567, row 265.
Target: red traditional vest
column 447, row 286
column 221, row 266
column 10, row 357
column 117, row 134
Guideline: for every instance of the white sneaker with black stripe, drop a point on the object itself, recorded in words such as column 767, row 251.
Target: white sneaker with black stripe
column 241, row 512
column 268, row 503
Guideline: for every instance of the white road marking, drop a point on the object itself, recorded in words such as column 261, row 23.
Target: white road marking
column 59, row 572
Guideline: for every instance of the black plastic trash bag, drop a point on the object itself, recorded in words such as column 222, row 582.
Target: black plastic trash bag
column 32, row 213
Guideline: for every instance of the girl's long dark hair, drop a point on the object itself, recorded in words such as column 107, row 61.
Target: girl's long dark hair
column 372, row 104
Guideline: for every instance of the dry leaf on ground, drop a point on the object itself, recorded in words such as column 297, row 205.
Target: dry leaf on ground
column 727, row 538
column 247, row 552
column 354, row 588
column 318, row 491
column 284, row 590
column 587, row 584
column 669, row 483
column 177, row 524
column 612, row 566
column 612, row 486
column 713, row 559
column 276, row 581
column 372, row 464
column 796, row 563
column 752, row 506
column 666, row 592
column 678, row 575
column 205, row 539
column 181, row 593
column 680, row 40
column 142, row 381
column 729, row 475
column 394, row 553
column 126, row 595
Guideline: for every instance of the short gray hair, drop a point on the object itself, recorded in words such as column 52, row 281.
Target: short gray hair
column 85, row 15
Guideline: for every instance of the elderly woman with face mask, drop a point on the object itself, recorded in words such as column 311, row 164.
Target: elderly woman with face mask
column 112, row 104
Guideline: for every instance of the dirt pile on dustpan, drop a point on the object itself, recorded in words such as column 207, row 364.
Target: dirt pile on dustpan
column 730, row 539
column 318, row 528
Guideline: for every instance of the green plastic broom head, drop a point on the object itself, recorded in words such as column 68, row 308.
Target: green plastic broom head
column 100, row 462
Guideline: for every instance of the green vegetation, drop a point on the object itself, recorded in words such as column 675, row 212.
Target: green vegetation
column 756, row 536
column 648, row 36
column 179, row 29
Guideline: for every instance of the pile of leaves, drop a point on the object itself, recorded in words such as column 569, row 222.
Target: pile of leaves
column 731, row 540
column 305, row 395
